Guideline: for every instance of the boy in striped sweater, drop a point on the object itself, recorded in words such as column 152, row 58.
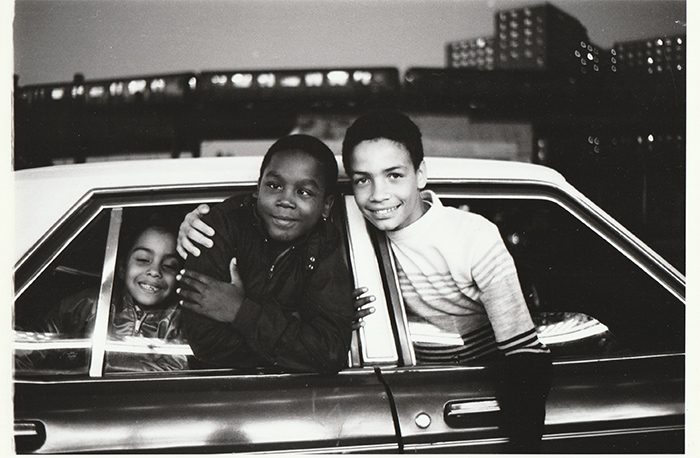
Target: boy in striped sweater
column 454, row 269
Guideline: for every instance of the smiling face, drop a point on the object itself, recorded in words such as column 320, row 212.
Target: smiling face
column 386, row 185
column 149, row 273
column 292, row 195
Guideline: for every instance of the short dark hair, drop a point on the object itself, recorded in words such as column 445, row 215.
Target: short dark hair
column 314, row 148
column 390, row 124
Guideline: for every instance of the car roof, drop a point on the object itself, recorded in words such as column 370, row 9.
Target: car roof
column 43, row 195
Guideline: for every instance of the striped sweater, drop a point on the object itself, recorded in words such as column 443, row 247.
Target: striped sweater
column 456, row 274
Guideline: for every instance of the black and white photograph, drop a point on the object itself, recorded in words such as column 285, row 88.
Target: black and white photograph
column 348, row 226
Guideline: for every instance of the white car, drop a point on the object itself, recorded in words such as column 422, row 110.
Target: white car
column 611, row 310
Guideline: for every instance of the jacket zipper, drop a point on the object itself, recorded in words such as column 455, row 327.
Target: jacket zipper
column 271, row 271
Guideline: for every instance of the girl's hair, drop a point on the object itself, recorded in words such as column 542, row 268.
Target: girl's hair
column 390, row 124
column 133, row 227
column 314, row 148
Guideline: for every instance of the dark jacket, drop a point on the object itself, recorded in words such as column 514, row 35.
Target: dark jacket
column 75, row 318
column 298, row 309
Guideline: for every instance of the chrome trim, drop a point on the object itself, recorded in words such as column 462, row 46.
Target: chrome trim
column 405, row 340
column 195, row 374
column 458, row 443
column 26, row 428
column 546, row 437
column 331, row 450
column 99, row 335
column 583, row 360
column 612, row 432
column 378, row 345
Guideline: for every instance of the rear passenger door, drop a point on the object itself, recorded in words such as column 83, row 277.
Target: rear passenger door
column 66, row 400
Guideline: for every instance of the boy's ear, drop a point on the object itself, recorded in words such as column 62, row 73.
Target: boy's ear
column 327, row 205
column 422, row 175
column 257, row 190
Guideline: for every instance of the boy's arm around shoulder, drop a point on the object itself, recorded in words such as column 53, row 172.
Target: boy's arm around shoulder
column 213, row 342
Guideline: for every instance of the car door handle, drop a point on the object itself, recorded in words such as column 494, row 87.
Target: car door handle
column 459, row 408
column 29, row 436
column 470, row 413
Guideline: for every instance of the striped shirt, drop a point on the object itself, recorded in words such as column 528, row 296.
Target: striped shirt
column 460, row 287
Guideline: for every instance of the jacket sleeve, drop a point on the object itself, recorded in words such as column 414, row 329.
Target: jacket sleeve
column 318, row 337
column 214, row 343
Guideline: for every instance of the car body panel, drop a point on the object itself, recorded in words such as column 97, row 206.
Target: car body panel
column 224, row 413
column 612, row 402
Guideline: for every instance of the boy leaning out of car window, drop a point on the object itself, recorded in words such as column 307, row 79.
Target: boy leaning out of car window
column 271, row 288
column 453, row 267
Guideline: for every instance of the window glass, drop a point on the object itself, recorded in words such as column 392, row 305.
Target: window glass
column 585, row 297
column 53, row 316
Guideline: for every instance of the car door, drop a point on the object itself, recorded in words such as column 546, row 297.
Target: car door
column 610, row 311
column 68, row 400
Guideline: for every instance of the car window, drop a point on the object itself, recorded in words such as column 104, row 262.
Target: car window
column 43, row 343
column 586, row 297
column 58, row 316
column 62, row 327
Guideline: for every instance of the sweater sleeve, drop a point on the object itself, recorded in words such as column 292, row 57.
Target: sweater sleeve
column 318, row 337
column 496, row 277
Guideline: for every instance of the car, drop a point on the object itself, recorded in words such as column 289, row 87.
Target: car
column 611, row 310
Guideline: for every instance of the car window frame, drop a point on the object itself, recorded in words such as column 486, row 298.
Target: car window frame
column 570, row 200
column 115, row 201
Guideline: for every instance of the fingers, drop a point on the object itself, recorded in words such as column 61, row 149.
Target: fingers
column 357, row 292
column 185, row 246
column 192, row 230
column 190, row 277
column 194, row 220
column 202, row 210
column 359, row 322
column 364, row 301
column 361, row 313
column 360, row 301
column 195, row 234
column 181, row 251
column 189, row 298
column 233, row 271
column 193, row 281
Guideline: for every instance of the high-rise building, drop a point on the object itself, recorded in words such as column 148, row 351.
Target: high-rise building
column 540, row 37
column 471, row 53
column 650, row 56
